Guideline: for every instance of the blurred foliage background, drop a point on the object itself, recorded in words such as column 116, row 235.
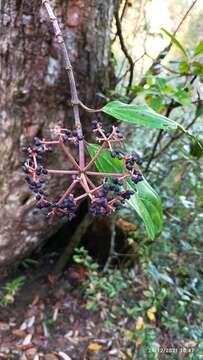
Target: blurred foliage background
column 166, row 72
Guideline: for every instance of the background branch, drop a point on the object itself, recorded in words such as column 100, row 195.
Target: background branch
column 124, row 48
column 164, row 52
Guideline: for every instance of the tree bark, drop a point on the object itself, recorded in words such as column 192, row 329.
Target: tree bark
column 33, row 97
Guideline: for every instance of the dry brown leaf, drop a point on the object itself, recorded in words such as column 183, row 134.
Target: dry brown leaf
column 4, row 326
column 52, row 279
column 125, row 225
column 31, row 352
column 94, row 347
column 23, row 357
column 138, row 342
column 50, row 357
column 35, row 300
column 64, row 356
column 19, row 333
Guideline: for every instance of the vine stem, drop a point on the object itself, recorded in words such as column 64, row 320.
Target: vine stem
column 68, row 67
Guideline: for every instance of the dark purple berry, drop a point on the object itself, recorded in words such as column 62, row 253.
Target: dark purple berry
column 65, row 138
column 137, row 178
column 74, row 133
column 80, row 137
column 37, row 141
column 44, row 171
column 113, row 154
column 24, row 149
column 129, row 166
column 106, row 187
column 94, row 124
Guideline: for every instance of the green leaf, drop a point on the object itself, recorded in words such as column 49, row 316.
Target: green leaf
column 199, row 49
column 156, row 102
column 145, row 201
column 194, row 138
column 196, row 149
column 197, row 68
column 138, row 114
column 175, row 41
column 182, row 97
column 184, row 67
column 147, row 205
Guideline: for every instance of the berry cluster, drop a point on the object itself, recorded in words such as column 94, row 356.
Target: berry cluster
column 110, row 197
column 105, row 198
column 113, row 190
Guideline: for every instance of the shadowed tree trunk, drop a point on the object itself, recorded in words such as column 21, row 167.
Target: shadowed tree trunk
column 33, row 96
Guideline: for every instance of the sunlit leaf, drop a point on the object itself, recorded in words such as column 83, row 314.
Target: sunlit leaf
column 198, row 49
column 175, row 41
column 197, row 67
column 184, row 67
column 182, row 97
column 145, row 201
column 138, row 114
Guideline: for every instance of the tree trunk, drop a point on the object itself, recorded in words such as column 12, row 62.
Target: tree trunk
column 33, row 97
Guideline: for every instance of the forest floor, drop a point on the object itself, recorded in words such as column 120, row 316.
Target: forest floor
column 48, row 320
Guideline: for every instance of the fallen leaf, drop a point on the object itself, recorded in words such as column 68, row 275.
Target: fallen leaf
column 50, row 357
column 45, row 330
column 19, row 333
column 31, row 352
column 4, row 326
column 94, row 347
column 27, row 340
column 139, row 323
column 129, row 352
column 151, row 313
column 138, row 342
column 125, row 225
column 36, row 357
column 35, row 300
column 52, row 279
column 23, row 357
column 55, row 314
column 64, row 356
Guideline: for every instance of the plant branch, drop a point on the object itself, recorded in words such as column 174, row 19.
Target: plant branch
column 63, row 172
column 89, row 109
column 68, row 154
column 159, row 137
column 94, row 173
column 124, row 48
column 174, row 138
column 68, row 68
column 102, row 147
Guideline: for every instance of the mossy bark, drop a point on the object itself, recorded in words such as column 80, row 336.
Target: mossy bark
column 33, row 96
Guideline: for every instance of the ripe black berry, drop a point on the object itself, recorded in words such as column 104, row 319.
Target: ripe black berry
column 113, row 154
